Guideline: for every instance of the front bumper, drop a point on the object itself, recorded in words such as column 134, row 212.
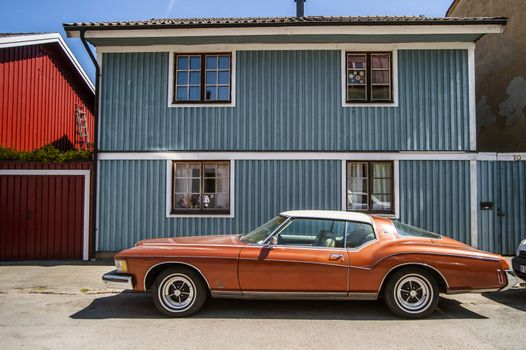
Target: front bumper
column 516, row 262
column 116, row 280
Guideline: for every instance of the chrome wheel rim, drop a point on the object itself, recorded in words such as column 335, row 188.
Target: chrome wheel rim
column 177, row 292
column 413, row 293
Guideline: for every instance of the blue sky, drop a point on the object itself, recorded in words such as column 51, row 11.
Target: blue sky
column 48, row 15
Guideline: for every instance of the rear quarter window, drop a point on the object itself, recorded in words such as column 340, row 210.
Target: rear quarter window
column 406, row 230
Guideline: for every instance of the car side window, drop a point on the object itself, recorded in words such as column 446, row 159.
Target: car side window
column 313, row 232
column 358, row 233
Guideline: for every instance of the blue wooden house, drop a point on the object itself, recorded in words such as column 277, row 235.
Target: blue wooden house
column 213, row 126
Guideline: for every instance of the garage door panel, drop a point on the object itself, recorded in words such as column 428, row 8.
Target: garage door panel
column 41, row 216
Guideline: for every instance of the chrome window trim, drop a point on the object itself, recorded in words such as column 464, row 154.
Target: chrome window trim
column 357, row 249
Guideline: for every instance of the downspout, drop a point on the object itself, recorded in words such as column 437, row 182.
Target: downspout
column 95, row 145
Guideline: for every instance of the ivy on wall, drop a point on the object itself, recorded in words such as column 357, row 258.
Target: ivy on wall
column 46, row 154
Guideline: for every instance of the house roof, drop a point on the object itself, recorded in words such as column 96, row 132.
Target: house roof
column 24, row 39
column 283, row 21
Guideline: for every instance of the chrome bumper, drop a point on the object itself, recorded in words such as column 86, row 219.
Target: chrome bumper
column 115, row 280
column 513, row 281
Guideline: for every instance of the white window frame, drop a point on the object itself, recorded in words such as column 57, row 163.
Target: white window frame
column 171, row 72
column 169, row 193
column 394, row 74
column 396, row 186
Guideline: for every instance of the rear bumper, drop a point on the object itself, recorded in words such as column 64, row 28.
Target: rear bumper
column 513, row 281
column 115, row 280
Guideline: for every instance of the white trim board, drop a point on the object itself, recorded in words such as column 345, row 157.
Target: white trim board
column 472, row 100
column 473, row 200
column 375, row 29
column 168, row 199
column 281, row 47
column 86, row 174
column 36, row 39
column 103, row 156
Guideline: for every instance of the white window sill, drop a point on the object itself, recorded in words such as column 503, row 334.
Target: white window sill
column 199, row 105
column 369, row 105
column 200, row 216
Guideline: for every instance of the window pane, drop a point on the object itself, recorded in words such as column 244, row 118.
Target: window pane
column 356, row 169
column 210, row 185
column 215, row 201
column 356, row 93
column 356, row 77
column 224, row 62
column 381, row 93
column 380, row 61
column 187, row 201
column 224, row 77
column 382, row 186
column 211, row 62
column 381, row 202
column 211, row 77
column 223, row 93
column 182, row 62
column 182, row 93
column 355, row 61
column 195, row 78
column 382, row 169
column 211, row 93
column 358, row 234
column 311, row 232
column 222, row 170
column 380, row 77
column 222, row 185
column 182, row 185
column 210, row 169
column 194, row 93
column 195, row 62
column 182, row 77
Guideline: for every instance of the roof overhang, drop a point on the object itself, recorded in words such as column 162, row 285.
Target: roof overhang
column 47, row 38
column 371, row 33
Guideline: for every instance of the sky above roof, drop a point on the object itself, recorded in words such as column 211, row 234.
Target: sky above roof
column 49, row 15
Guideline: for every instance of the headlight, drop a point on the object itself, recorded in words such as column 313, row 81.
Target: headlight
column 121, row 266
column 521, row 245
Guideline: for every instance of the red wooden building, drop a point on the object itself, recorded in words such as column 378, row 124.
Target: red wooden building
column 45, row 95
column 45, row 98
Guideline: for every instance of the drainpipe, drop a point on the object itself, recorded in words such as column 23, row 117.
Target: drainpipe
column 95, row 145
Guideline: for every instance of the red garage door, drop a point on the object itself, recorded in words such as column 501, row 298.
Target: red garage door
column 41, row 216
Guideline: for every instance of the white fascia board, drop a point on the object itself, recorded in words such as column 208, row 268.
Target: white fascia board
column 37, row 39
column 295, row 30
column 194, row 48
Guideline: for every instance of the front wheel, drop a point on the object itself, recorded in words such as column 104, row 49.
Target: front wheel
column 178, row 292
column 412, row 293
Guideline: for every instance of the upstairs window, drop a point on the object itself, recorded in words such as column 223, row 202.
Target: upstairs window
column 370, row 187
column 202, row 78
column 369, row 77
column 201, row 187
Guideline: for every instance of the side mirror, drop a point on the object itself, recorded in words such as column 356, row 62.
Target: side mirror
column 271, row 242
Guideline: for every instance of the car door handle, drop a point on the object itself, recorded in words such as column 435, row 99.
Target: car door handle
column 335, row 257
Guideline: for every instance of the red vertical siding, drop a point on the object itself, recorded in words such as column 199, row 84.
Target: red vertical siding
column 39, row 91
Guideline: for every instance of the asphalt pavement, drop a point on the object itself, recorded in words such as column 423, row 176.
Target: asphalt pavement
column 60, row 305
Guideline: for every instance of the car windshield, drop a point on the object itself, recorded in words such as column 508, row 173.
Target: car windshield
column 408, row 230
column 259, row 235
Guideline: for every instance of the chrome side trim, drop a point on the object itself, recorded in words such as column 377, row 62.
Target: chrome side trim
column 297, row 262
column 414, row 263
column 174, row 262
column 115, row 280
column 472, row 291
column 293, row 295
column 433, row 253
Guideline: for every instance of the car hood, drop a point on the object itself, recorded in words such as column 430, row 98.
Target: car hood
column 194, row 240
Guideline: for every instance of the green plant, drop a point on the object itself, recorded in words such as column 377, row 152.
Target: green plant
column 46, row 154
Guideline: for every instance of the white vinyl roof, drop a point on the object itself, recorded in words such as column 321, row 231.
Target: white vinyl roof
column 329, row 214
column 24, row 39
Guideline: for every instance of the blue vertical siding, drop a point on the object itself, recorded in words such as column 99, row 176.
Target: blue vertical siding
column 504, row 184
column 435, row 195
column 133, row 194
column 287, row 101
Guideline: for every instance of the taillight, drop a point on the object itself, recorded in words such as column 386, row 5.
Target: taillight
column 500, row 276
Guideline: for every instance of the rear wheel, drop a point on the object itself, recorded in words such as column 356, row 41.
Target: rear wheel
column 178, row 292
column 412, row 293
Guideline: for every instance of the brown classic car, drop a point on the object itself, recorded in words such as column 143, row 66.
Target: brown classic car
column 311, row 255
